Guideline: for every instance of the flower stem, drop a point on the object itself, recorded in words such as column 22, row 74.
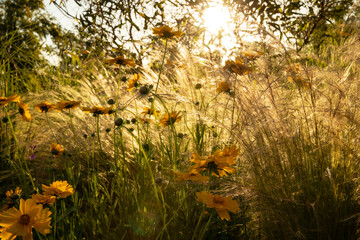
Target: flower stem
column 98, row 131
column 47, row 119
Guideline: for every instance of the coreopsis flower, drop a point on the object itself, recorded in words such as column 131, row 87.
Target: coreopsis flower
column 44, row 199
column 191, row 176
column 216, row 166
column 148, row 111
column 166, row 32
column 145, row 120
column 10, row 195
column 98, row 110
column 223, row 87
column 133, row 82
column 19, row 222
column 45, row 107
column 59, row 189
column 67, row 105
column 229, row 155
column 170, row 118
column 120, row 60
column 24, row 111
column 6, row 100
column 56, row 149
column 221, row 204
column 237, row 66
column 252, row 55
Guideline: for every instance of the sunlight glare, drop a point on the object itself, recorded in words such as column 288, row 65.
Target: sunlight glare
column 216, row 18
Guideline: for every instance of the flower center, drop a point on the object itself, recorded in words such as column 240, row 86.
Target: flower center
column 219, row 200
column 21, row 111
column 24, row 219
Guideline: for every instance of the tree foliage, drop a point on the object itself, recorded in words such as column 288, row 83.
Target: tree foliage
column 23, row 27
column 300, row 22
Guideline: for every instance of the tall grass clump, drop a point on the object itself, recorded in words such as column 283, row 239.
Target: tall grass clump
column 301, row 145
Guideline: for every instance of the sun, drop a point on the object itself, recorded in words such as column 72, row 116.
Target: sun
column 216, row 18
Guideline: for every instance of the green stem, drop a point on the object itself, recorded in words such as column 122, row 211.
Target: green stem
column 161, row 67
column 47, row 119
column 98, row 131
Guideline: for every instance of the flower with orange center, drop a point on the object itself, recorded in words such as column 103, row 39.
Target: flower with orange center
column 148, row 111
column 166, row 32
column 56, row 149
column 45, row 107
column 221, row 204
column 19, row 222
column 98, row 110
column 121, row 61
column 190, row 176
column 170, row 118
column 237, row 66
column 6, row 100
column 43, row 199
column 24, row 111
column 223, row 87
column 59, row 189
column 133, row 82
column 67, row 105
column 228, row 155
column 216, row 166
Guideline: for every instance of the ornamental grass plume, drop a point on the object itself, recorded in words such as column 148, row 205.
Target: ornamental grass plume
column 221, row 204
column 170, row 118
column 20, row 222
column 166, row 32
column 59, row 189
column 6, row 100
column 45, row 107
column 24, row 111
column 67, row 105
column 56, row 149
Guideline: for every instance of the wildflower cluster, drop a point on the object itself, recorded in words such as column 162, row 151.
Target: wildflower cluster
column 219, row 164
column 19, row 222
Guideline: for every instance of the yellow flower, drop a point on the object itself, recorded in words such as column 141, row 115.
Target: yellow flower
column 59, row 189
column 133, row 82
column 166, row 32
column 191, row 176
column 120, row 60
column 43, row 199
column 148, row 111
column 221, row 204
column 252, row 55
column 10, row 194
column 98, row 110
column 24, row 111
column 229, row 155
column 217, row 166
column 6, row 235
column 237, row 66
column 223, row 87
column 170, row 119
column 19, row 222
column 56, row 149
column 67, row 105
column 5, row 100
column 45, row 107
